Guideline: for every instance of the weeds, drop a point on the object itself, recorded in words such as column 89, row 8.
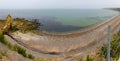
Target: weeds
column 16, row 48
column 3, row 53
column 114, row 48
column 89, row 58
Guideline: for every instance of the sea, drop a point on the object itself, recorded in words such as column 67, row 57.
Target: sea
column 62, row 20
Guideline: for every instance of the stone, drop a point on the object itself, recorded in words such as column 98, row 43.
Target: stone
column 8, row 24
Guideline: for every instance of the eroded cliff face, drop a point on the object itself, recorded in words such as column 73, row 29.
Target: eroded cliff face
column 5, row 53
column 8, row 24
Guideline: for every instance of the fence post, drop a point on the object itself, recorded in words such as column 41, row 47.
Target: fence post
column 108, row 43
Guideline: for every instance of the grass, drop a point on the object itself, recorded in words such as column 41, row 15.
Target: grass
column 102, row 54
column 86, row 58
column 41, row 59
column 30, row 56
column 44, row 59
column 1, row 37
column 3, row 53
column 20, row 50
column 22, row 25
column 114, row 48
column 16, row 48
column 89, row 58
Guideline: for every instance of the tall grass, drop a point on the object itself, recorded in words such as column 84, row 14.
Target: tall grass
column 114, row 48
column 3, row 53
column 16, row 48
column 89, row 58
column 1, row 37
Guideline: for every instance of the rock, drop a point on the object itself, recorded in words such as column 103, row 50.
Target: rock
column 8, row 24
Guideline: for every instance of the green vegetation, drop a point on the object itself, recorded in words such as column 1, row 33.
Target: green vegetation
column 24, row 25
column 1, row 37
column 86, row 58
column 3, row 53
column 42, row 59
column 102, row 54
column 20, row 50
column 16, row 48
column 115, row 48
column 89, row 58
column 30, row 56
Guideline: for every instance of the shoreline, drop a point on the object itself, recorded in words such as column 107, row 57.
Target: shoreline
column 66, row 44
column 77, row 39
column 82, row 30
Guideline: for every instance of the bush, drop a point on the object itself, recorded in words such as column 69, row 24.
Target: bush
column 114, row 48
column 24, row 25
column 0, row 56
column 14, row 28
column 42, row 59
column 89, row 58
column 11, row 47
column 2, row 40
column 3, row 53
column 20, row 50
column 1, row 37
column 31, row 56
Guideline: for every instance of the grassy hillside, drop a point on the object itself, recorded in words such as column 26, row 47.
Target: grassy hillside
column 114, row 48
column 101, row 54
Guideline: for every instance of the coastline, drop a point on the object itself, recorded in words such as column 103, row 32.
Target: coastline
column 76, row 39
column 59, row 44
column 82, row 30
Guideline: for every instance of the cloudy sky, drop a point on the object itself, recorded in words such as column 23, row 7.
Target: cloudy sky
column 58, row 4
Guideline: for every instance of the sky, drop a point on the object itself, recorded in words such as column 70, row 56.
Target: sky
column 58, row 4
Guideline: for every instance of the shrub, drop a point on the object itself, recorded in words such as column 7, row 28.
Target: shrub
column 42, row 59
column 14, row 28
column 114, row 48
column 24, row 25
column 11, row 47
column 31, row 56
column 3, row 53
column 20, row 50
column 1, row 37
column 89, row 58
column 2, row 40
column 0, row 56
